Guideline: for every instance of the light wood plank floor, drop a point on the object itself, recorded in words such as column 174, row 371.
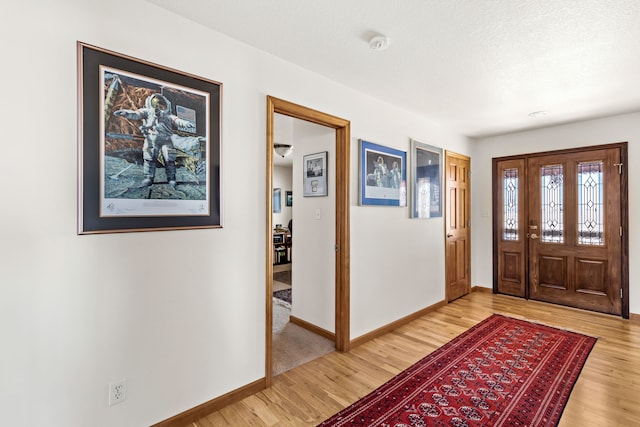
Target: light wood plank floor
column 607, row 392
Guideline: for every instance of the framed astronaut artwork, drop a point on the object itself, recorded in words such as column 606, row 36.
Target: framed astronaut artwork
column 148, row 146
column 383, row 175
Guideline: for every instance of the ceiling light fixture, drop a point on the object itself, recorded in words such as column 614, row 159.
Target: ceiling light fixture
column 378, row 43
column 282, row 150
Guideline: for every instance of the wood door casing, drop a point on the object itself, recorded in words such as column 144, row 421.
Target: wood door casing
column 562, row 269
column 457, row 225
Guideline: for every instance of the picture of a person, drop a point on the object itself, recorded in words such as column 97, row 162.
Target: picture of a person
column 159, row 126
column 395, row 177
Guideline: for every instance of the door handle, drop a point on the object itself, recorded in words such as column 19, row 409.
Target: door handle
column 534, row 236
column 449, row 235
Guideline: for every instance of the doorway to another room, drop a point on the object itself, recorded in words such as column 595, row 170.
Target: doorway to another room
column 319, row 285
column 303, row 274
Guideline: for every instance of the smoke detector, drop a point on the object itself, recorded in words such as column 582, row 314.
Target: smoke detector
column 379, row 43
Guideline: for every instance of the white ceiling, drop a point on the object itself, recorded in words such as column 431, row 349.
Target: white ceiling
column 476, row 66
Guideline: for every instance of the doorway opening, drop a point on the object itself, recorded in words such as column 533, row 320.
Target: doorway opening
column 342, row 164
column 304, row 258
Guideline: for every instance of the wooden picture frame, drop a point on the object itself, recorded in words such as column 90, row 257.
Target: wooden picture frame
column 148, row 146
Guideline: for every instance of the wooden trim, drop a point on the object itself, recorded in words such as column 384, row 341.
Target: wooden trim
column 635, row 318
column 343, row 253
column 395, row 325
column 494, row 222
column 200, row 411
column 313, row 328
column 564, row 151
column 269, row 245
column 482, row 289
column 342, row 261
column 624, row 222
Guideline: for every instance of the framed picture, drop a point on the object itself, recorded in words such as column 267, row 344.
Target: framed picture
column 426, row 179
column 383, row 175
column 277, row 200
column 289, row 196
column 148, row 146
column 314, row 168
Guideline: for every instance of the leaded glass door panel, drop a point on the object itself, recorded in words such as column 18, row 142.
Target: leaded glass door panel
column 574, row 227
column 511, row 236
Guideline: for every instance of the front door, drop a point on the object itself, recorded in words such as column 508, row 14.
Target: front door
column 457, row 225
column 574, row 230
column 559, row 228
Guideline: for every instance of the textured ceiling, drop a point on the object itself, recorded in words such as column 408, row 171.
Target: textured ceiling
column 476, row 66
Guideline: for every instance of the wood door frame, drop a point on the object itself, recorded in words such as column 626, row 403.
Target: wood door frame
column 624, row 212
column 448, row 154
column 342, row 265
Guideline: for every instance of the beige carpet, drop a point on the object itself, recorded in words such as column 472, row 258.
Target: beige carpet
column 293, row 345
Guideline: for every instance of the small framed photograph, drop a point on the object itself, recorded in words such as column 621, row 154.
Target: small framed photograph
column 383, row 175
column 426, row 179
column 315, row 174
column 148, row 146
column 289, row 198
column 277, row 200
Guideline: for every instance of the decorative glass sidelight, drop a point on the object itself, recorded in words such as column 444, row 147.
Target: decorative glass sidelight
column 510, row 204
column 590, row 204
column 552, row 191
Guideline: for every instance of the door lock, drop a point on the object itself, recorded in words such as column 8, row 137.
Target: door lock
column 534, row 236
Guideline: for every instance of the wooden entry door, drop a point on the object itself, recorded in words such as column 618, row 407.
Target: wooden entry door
column 457, row 225
column 574, row 230
column 559, row 228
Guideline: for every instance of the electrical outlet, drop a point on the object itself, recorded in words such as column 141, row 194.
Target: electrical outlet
column 117, row 392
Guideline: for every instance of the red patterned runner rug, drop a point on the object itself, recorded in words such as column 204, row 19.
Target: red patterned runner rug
column 501, row 372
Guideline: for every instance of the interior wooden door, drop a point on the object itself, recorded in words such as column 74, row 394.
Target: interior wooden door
column 574, row 221
column 457, row 225
column 510, row 237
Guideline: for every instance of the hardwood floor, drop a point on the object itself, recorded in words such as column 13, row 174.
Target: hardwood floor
column 607, row 392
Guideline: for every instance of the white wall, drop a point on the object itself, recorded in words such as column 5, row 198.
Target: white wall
column 594, row 132
column 179, row 314
column 313, row 268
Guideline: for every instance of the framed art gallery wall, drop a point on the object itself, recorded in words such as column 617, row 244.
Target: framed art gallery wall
column 126, row 305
